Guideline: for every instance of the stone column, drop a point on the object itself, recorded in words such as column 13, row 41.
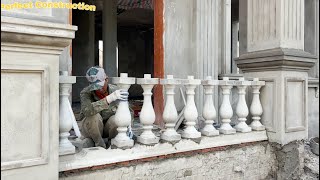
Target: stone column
column 208, row 29
column 275, row 54
column 65, row 114
column 30, row 51
column 109, row 36
column 225, row 39
column 123, row 116
column 82, row 50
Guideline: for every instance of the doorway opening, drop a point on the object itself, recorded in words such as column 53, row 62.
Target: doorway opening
column 134, row 48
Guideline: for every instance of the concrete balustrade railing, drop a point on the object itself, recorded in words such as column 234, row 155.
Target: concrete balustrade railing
column 170, row 114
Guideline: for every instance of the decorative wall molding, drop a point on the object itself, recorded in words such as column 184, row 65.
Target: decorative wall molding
column 41, row 70
column 291, row 95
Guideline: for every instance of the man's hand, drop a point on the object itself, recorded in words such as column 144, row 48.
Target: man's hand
column 118, row 95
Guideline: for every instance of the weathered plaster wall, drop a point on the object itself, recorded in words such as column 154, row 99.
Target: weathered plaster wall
column 256, row 161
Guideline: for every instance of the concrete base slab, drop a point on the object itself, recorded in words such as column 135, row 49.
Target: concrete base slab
column 100, row 156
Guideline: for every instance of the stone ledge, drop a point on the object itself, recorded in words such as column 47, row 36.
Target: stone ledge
column 95, row 157
column 37, row 33
column 313, row 82
column 276, row 59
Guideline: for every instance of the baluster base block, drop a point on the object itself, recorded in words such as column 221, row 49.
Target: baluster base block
column 227, row 131
column 171, row 138
column 243, row 129
column 226, row 128
column 122, row 144
column 148, row 141
column 190, row 134
column 258, row 128
column 210, row 132
column 256, row 125
column 67, row 150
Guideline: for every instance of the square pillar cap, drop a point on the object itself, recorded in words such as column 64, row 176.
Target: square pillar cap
column 147, row 80
column 123, row 79
column 276, row 59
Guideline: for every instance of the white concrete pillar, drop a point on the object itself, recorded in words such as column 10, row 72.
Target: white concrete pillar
column 123, row 116
column 242, row 110
column 147, row 114
column 311, row 36
column 226, row 55
column 65, row 114
column 190, row 111
column 209, row 112
column 208, row 31
column 235, row 46
column 256, row 107
column 170, row 115
column 275, row 54
column 283, row 27
column 109, row 36
column 226, row 111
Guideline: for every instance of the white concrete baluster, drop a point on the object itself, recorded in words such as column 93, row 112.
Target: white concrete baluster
column 65, row 113
column 226, row 111
column 242, row 110
column 256, row 107
column 123, row 116
column 147, row 114
column 170, row 115
column 209, row 112
column 190, row 111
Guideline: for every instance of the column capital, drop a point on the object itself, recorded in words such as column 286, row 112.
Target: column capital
column 36, row 33
column 276, row 59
